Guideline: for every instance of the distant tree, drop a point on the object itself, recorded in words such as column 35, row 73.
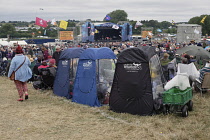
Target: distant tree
column 7, row 29
column 117, row 15
column 165, row 24
column 71, row 24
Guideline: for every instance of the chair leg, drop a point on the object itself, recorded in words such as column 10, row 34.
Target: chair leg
column 201, row 92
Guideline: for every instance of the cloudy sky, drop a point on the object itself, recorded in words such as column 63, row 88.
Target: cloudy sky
column 161, row 10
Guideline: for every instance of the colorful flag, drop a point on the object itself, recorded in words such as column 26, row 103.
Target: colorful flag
column 63, row 24
column 196, row 31
column 115, row 27
column 150, row 34
column 138, row 23
column 45, row 32
column 96, row 31
column 172, row 22
column 53, row 22
column 203, row 19
column 107, row 18
column 41, row 22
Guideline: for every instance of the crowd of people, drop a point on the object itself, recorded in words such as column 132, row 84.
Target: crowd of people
column 41, row 56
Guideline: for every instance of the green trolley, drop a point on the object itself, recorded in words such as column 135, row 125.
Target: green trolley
column 176, row 100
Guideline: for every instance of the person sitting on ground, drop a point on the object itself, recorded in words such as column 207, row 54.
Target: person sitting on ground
column 35, row 68
column 52, row 67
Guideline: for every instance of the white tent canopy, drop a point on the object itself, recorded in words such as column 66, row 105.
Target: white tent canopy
column 11, row 43
column 3, row 43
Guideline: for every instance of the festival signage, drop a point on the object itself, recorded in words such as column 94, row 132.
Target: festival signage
column 66, row 35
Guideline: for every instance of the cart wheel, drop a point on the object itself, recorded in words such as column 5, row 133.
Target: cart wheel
column 185, row 111
column 190, row 105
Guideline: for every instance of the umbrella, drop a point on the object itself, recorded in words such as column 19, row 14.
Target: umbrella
column 199, row 52
column 207, row 48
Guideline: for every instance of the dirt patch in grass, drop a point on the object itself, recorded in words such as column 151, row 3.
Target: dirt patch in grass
column 48, row 117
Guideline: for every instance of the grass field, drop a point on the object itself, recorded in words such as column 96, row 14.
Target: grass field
column 48, row 117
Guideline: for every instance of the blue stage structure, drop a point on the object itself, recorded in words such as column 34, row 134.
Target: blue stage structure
column 93, row 32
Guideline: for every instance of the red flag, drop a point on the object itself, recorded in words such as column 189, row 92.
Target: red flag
column 41, row 22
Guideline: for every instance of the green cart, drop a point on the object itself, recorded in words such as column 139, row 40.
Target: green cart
column 176, row 100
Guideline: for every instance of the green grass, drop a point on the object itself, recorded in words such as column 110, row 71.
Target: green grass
column 48, row 117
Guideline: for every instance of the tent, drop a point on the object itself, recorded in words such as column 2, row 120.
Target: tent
column 11, row 43
column 66, row 72
column 87, row 76
column 3, row 43
column 137, row 81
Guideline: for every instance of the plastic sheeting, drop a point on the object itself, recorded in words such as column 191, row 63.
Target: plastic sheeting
column 189, row 69
column 181, row 81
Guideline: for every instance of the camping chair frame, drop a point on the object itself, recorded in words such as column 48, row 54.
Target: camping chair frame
column 205, row 84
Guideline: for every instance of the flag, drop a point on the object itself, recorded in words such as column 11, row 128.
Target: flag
column 107, row 18
column 41, row 22
column 63, row 24
column 172, row 22
column 203, row 19
column 96, row 31
column 150, row 34
column 138, row 23
column 196, row 31
column 115, row 27
column 53, row 22
column 45, row 32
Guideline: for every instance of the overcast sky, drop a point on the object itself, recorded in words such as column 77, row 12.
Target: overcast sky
column 161, row 10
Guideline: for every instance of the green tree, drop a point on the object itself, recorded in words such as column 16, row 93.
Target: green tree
column 7, row 29
column 165, row 24
column 117, row 15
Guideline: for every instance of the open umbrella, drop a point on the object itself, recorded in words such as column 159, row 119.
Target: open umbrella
column 207, row 48
column 199, row 52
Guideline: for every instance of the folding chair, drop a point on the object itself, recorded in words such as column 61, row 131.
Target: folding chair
column 205, row 84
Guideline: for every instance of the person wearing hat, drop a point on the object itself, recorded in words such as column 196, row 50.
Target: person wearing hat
column 20, row 63
column 52, row 67
column 57, row 54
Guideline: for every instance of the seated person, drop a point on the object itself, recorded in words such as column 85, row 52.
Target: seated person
column 52, row 67
column 43, row 65
column 35, row 68
column 203, row 71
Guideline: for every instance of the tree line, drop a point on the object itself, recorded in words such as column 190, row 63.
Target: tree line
column 8, row 28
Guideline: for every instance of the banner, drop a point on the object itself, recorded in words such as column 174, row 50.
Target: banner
column 66, row 35
column 41, row 22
